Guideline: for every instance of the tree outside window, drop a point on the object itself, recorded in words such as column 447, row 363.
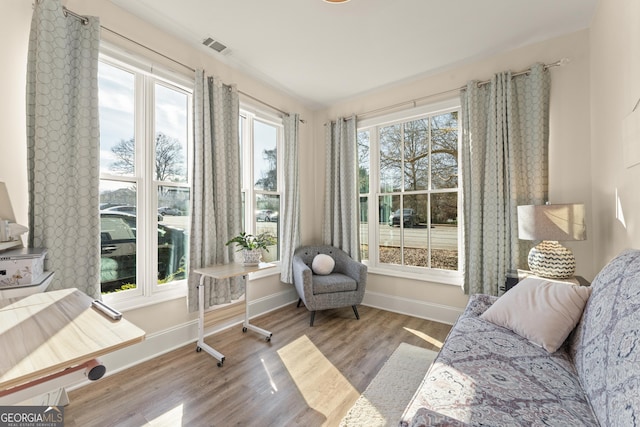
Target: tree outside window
column 417, row 199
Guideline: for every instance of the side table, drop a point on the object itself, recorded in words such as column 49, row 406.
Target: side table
column 224, row 271
column 514, row 276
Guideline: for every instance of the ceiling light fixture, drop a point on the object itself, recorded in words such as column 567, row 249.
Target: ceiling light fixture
column 336, row 1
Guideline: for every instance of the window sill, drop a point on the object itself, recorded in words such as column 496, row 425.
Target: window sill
column 266, row 272
column 123, row 302
column 126, row 302
column 453, row 278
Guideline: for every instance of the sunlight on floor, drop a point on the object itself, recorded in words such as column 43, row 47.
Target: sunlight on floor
column 274, row 388
column 425, row 337
column 173, row 417
column 323, row 387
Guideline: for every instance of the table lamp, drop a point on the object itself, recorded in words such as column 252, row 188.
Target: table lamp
column 551, row 224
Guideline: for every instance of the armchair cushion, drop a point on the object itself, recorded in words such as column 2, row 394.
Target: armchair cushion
column 331, row 283
column 322, row 264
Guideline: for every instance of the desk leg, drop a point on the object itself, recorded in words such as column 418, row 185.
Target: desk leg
column 201, row 345
column 246, row 325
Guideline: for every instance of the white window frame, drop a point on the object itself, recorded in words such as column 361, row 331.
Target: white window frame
column 146, row 75
column 250, row 112
column 410, row 272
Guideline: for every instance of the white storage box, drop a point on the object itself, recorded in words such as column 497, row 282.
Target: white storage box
column 21, row 267
column 40, row 285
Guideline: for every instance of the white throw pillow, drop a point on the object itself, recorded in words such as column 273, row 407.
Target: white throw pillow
column 540, row 310
column 322, row 264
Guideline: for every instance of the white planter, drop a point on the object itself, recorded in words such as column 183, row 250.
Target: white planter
column 251, row 257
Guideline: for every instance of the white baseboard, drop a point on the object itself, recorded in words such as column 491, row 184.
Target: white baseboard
column 171, row 339
column 421, row 309
column 260, row 306
column 168, row 340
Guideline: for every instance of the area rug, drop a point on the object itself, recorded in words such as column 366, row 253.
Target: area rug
column 387, row 395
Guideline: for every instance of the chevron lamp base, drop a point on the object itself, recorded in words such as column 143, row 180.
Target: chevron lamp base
column 552, row 260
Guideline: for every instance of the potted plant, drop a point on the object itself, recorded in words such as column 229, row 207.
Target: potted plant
column 252, row 246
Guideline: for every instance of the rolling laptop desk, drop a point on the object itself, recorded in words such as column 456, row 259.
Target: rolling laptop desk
column 54, row 338
column 225, row 271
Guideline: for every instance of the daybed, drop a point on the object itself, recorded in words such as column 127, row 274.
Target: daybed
column 489, row 375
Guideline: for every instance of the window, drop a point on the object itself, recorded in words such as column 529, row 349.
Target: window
column 260, row 146
column 145, row 145
column 408, row 181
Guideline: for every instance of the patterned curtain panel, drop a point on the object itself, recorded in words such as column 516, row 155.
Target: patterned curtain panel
column 341, row 225
column 216, row 215
column 291, row 214
column 505, row 162
column 63, row 139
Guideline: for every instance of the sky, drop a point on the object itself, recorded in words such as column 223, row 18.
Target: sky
column 117, row 104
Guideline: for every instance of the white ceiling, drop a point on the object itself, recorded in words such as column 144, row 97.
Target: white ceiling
column 323, row 53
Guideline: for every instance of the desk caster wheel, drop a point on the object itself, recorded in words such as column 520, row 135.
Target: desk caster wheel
column 244, row 329
column 198, row 349
column 220, row 362
column 267, row 339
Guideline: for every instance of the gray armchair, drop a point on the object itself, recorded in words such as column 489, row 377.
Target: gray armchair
column 343, row 287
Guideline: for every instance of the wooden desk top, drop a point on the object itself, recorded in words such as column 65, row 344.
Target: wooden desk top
column 45, row 333
column 223, row 271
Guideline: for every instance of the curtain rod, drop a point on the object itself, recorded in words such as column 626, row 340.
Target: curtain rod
column 268, row 105
column 85, row 21
column 81, row 18
column 558, row 63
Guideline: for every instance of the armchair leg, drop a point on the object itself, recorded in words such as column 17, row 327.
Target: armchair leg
column 313, row 315
column 355, row 310
column 299, row 301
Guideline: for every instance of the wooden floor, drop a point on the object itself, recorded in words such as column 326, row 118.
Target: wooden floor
column 305, row 376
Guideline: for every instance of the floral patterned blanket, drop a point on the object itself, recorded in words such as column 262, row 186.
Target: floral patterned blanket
column 486, row 375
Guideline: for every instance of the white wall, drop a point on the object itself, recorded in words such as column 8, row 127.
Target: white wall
column 569, row 154
column 615, row 89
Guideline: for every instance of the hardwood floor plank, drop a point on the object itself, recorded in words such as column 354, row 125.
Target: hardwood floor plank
column 305, row 376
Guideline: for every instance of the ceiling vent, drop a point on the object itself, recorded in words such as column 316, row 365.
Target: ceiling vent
column 215, row 45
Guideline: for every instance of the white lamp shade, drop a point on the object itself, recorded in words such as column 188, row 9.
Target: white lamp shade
column 559, row 222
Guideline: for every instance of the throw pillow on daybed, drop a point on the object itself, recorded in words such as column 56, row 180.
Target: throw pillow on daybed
column 542, row 311
column 322, row 264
